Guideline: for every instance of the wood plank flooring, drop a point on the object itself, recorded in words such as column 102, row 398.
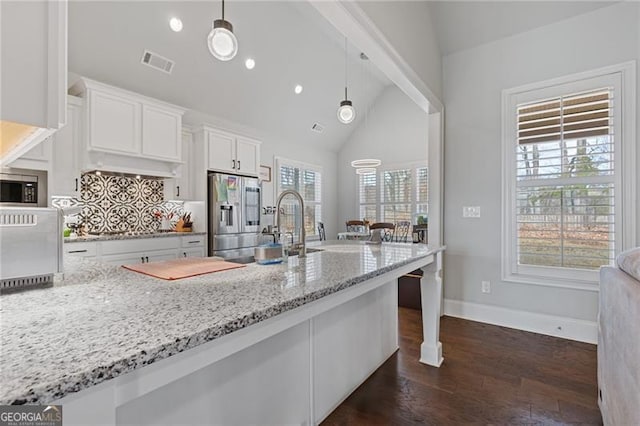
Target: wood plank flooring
column 491, row 375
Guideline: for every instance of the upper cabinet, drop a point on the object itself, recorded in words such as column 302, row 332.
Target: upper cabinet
column 232, row 153
column 181, row 188
column 130, row 133
column 33, row 42
column 65, row 170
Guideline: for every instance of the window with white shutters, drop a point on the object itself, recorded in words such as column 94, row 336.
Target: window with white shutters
column 563, row 160
column 307, row 180
column 565, row 181
column 394, row 194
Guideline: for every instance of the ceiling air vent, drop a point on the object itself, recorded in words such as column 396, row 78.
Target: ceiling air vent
column 158, row 62
column 317, row 127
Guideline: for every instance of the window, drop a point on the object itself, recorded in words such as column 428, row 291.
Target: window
column 307, row 180
column 395, row 194
column 563, row 150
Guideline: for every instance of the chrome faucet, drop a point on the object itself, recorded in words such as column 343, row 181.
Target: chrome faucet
column 296, row 194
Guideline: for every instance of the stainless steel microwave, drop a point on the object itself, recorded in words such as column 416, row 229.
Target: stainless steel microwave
column 18, row 190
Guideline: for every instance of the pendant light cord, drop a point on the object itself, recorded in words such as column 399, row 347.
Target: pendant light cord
column 223, row 10
column 345, row 70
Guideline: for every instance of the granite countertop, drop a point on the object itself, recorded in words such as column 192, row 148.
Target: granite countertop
column 103, row 321
column 129, row 237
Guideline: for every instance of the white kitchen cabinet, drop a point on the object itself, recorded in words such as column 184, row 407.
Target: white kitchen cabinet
column 33, row 42
column 181, row 188
column 232, row 153
column 161, row 133
column 37, row 158
column 113, row 123
column 247, row 156
column 81, row 249
column 127, row 132
column 64, row 180
column 191, row 252
column 222, row 152
column 138, row 250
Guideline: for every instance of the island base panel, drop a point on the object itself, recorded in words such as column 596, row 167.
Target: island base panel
column 297, row 376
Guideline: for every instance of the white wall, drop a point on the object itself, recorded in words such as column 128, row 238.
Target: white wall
column 473, row 81
column 396, row 132
column 408, row 28
column 273, row 146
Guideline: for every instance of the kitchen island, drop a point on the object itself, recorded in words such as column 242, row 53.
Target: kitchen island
column 276, row 344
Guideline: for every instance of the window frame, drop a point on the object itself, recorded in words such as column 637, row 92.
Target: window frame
column 623, row 78
column 379, row 204
column 281, row 161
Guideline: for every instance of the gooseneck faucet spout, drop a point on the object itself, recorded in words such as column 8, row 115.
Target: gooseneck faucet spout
column 296, row 194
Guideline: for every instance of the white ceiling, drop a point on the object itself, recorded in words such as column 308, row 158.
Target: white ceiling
column 463, row 25
column 289, row 41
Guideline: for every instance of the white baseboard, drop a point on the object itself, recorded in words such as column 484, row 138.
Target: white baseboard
column 550, row 325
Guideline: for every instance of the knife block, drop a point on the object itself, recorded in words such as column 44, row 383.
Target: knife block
column 181, row 228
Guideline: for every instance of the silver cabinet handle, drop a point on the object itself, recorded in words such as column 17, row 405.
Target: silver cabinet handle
column 193, row 242
column 77, row 251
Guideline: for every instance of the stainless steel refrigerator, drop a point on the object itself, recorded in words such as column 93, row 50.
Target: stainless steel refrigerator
column 234, row 215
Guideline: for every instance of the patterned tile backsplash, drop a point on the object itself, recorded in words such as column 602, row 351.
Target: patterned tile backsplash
column 119, row 203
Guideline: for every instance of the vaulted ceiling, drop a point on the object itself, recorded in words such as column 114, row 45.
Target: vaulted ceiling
column 463, row 25
column 290, row 42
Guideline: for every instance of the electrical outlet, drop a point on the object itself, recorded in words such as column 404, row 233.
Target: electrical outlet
column 471, row 211
column 486, row 286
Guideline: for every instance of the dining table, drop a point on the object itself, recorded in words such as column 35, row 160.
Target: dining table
column 353, row 235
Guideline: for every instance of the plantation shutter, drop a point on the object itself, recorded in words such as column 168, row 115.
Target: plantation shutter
column 368, row 189
column 307, row 180
column 396, row 195
column 422, row 192
column 565, row 181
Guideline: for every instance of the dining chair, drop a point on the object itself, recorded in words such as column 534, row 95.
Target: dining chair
column 321, row 232
column 403, row 229
column 387, row 230
column 355, row 226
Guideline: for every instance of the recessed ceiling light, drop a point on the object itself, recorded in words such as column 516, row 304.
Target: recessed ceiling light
column 250, row 64
column 175, row 24
column 298, row 89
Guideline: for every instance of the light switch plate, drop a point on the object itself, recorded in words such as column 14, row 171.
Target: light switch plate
column 471, row 211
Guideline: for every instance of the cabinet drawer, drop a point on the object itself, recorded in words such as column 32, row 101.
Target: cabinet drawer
column 80, row 249
column 193, row 241
column 139, row 245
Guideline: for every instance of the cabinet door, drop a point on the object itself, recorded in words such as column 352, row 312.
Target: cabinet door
column 65, row 170
column 37, row 158
column 161, row 131
column 248, row 157
column 192, row 252
column 114, row 123
column 222, row 152
column 180, row 188
column 123, row 259
column 157, row 256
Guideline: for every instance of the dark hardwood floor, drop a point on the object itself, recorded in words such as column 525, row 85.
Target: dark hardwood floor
column 490, row 375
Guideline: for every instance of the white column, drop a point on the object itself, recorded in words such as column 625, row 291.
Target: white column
column 430, row 294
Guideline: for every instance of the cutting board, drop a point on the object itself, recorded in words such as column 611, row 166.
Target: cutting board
column 176, row 269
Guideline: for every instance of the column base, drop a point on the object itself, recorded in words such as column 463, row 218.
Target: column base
column 431, row 355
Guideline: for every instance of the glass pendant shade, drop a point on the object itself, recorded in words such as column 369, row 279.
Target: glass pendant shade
column 346, row 112
column 222, row 43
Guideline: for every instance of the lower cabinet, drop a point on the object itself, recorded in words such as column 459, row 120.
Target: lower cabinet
column 139, row 250
column 139, row 257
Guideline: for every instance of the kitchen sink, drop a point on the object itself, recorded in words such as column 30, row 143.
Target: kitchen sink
column 250, row 259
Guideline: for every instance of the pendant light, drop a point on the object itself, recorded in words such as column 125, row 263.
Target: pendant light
column 222, row 43
column 346, row 112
